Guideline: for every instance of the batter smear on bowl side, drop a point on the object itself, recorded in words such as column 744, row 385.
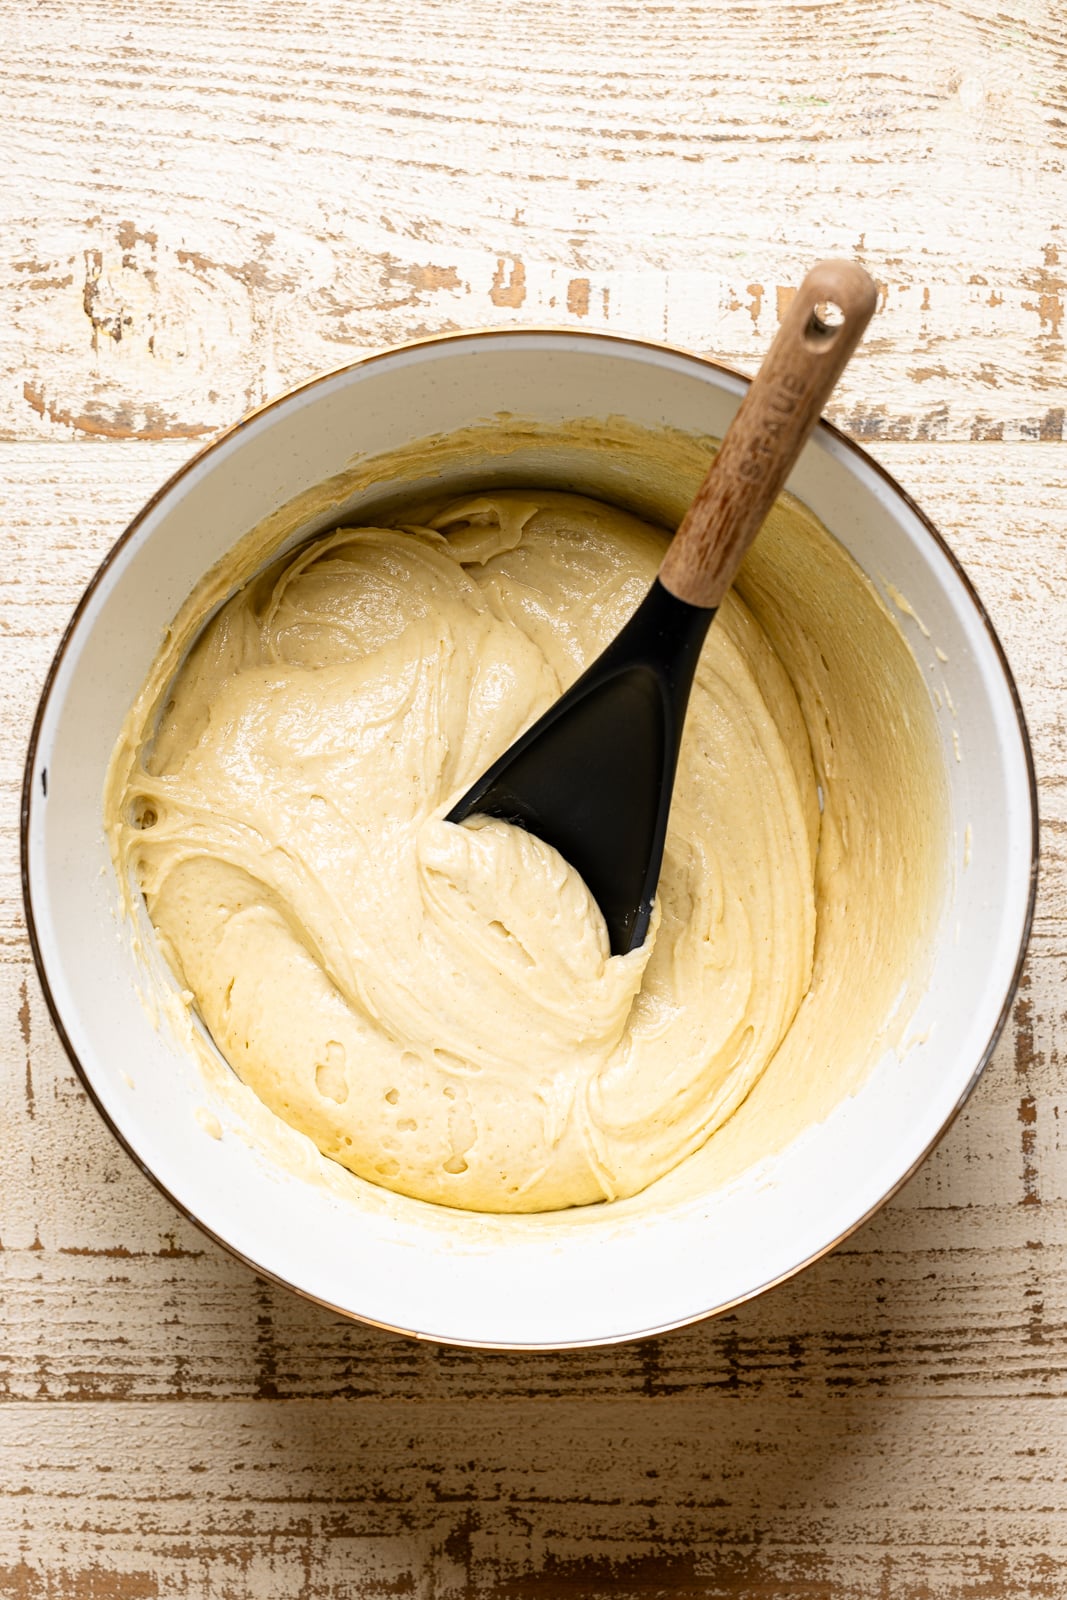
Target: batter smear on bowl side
column 436, row 1006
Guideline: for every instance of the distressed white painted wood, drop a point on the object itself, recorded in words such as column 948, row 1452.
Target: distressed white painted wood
column 202, row 205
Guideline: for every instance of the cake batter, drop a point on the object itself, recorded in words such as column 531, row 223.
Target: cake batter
column 436, row 1006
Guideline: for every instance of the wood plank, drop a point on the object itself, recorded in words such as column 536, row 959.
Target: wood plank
column 787, row 1499
column 229, row 209
column 970, row 1307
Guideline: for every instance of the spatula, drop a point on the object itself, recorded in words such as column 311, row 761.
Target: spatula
column 593, row 777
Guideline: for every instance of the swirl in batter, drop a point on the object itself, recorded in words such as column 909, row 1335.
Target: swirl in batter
column 436, row 1006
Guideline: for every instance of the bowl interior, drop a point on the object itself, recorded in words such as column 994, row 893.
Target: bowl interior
column 596, row 1274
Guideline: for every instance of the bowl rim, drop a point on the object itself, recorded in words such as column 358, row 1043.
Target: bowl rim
column 510, row 331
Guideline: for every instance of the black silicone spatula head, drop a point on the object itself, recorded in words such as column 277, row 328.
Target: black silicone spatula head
column 594, row 776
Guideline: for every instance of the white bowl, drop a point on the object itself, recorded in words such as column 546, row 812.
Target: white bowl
column 582, row 1277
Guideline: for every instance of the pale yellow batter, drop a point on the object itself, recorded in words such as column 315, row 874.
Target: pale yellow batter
column 436, row 1006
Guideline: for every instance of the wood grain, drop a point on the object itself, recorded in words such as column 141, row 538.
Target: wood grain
column 240, row 198
column 797, row 1499
column 200, row 206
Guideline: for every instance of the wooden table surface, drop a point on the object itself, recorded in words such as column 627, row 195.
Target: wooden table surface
column 202, row 204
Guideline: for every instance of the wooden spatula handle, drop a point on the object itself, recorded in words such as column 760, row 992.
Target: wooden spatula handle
column 782, row 406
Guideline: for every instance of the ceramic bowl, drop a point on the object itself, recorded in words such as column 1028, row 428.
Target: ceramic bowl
column 597, row 1274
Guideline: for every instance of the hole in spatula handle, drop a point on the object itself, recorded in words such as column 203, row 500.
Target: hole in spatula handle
column 826, row 321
